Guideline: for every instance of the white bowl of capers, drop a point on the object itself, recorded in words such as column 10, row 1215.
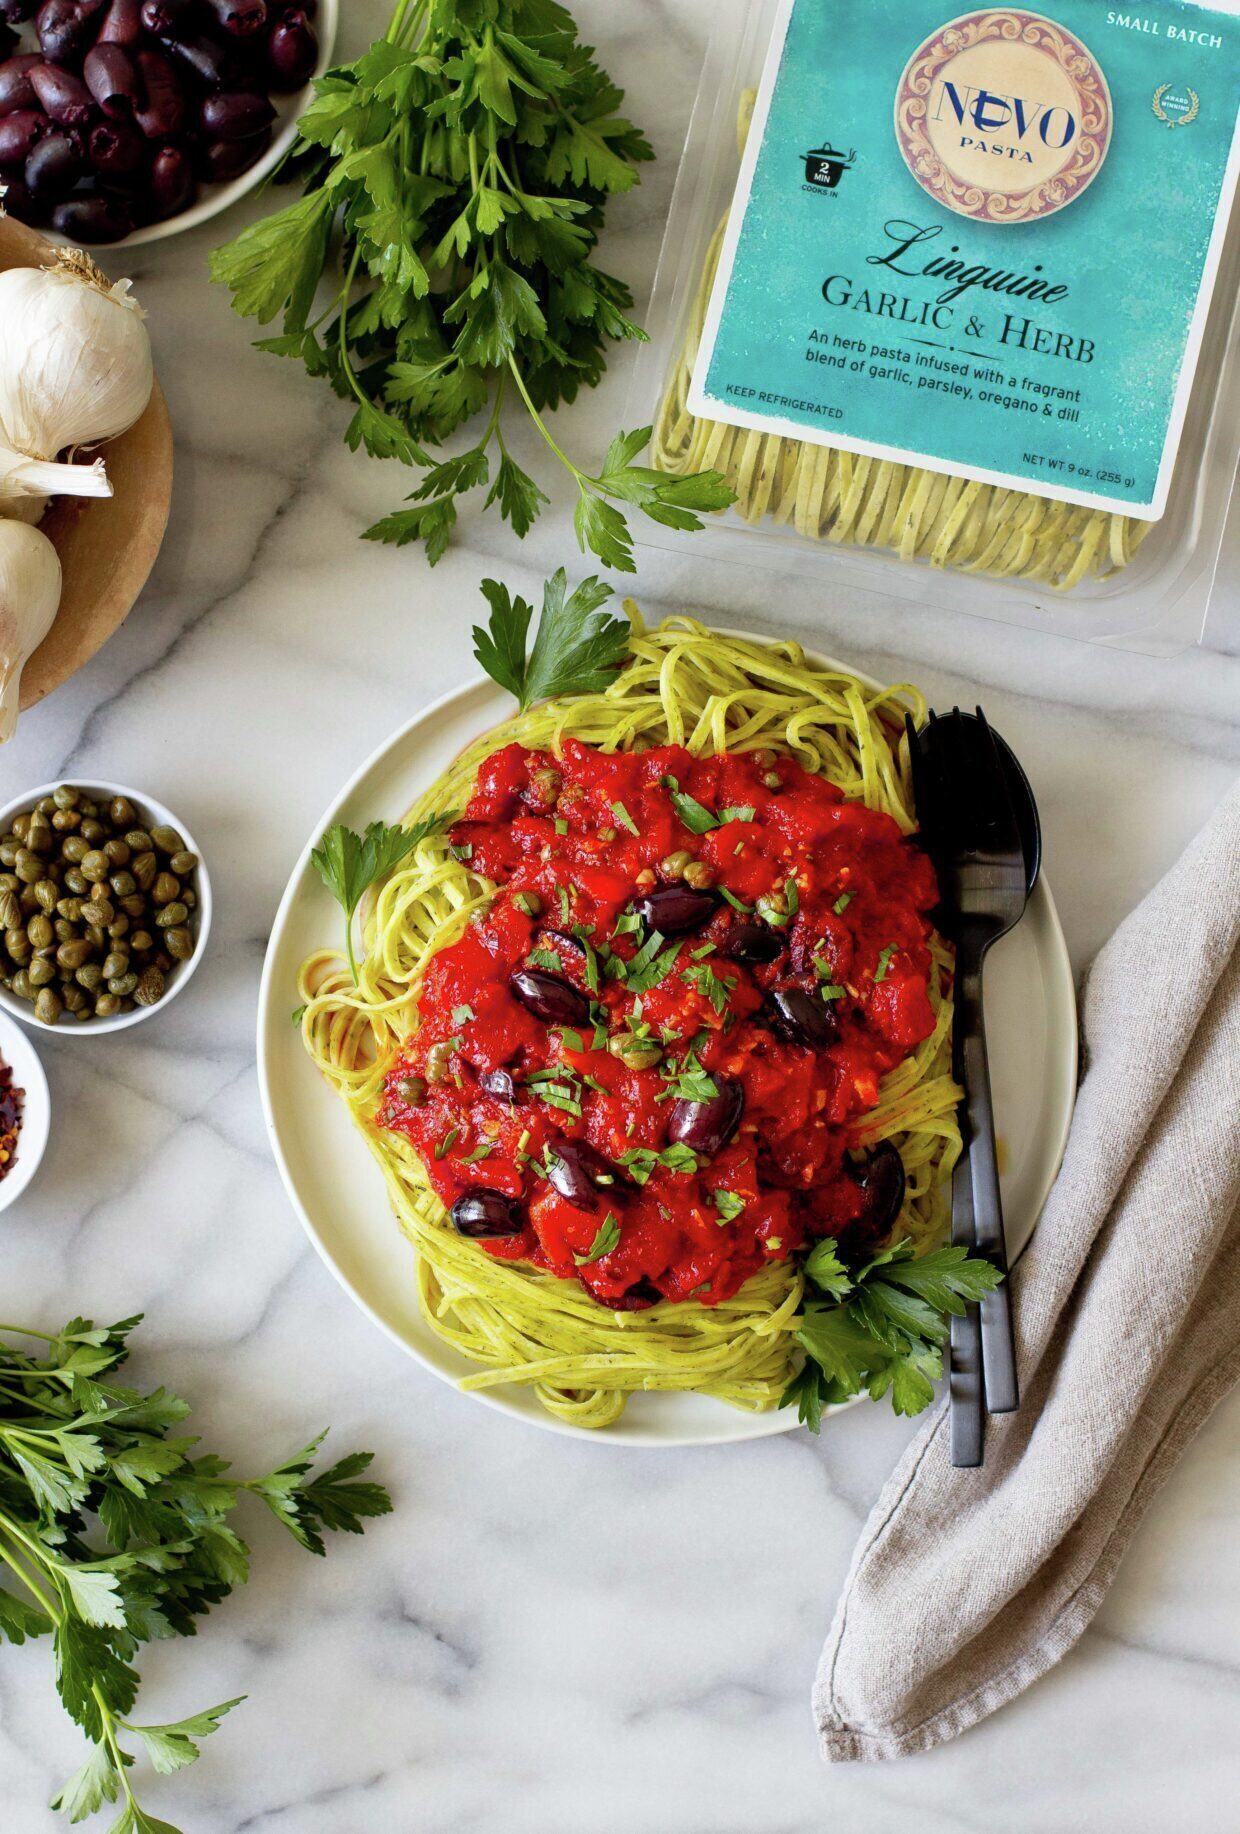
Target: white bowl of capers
column 105, row 906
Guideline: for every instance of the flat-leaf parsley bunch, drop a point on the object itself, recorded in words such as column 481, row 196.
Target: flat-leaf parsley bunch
column 467, row 157
column 112, row 1532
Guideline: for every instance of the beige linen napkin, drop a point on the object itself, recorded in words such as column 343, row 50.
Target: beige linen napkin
column 968, row 1585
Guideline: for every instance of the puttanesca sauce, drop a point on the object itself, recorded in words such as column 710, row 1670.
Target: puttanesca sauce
column 670, row 1035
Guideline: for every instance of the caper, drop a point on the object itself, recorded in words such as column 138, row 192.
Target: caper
column 166, row 888
column 74, row 849
column 94, row 832
column 10, row 911
column 23, row 986
column 106, row 1004
column 47, row 1007
column 72, row 954
column 95, row 865
column 171, row 916
column 9, row 882
column 546, row 783
column 141, row 939
column 772, row 780
column 98, row 909
column 123, row 884
column 180, row 942
column 698, row 876
column 89, row 976
column 438, row 1060
column 635, row 1053
column 529, row 902
column 66, row 797
column 115, row 964
column 183, row 863
column 412, row 1089
column 76, row 881
column 119, row 926
column 95, row 935
column 47, row 894
column 138, row 840
column 163, row 960
column 145, row 868
column 8, row 851
column 150, row 987
column 772, row 907
column 763, row 758
column 44, row 806
column 21, row 825
column 673, row 867
column 134, row 905
column 122, row 813
column 18, row 945
column 123, row 984
column 88, row 807
column 189, row 897
column 40, row 839
column 65, row 931
column 42, row 969
column 607, row 836
column 40, row 932
column 167, row 839
column 116, row 851
column 28, row 866
column 66, row 820
column 70, row 909
column 74, row 998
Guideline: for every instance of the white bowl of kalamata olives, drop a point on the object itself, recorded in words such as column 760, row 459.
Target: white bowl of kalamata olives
column 123, row 121
column 105, row 906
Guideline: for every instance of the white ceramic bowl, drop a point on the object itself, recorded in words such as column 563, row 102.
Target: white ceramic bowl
column 214, row 198
column 151, row 814
column 19, row 1054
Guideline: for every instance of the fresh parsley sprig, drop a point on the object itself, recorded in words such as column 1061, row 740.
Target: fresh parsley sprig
column 884, row 1330
column 578, row 649
column 113, row 1532
column 349, row 864
column 467, row 159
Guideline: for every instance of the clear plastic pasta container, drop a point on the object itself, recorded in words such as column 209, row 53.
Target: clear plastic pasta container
column 930, row 536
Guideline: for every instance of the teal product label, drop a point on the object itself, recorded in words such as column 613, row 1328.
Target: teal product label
column 982, row 244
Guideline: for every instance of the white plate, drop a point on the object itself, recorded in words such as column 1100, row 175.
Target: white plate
column 19, row 1054
column 214, row 198
column 339, row 1192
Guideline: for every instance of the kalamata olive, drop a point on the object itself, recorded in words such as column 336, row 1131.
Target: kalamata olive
column 223, row 160
column 212, row 63
column 122, row 25
column 500, row 1084
column 240, row 18
column 562, row 942
column 752, row 942
column 19, row 133
column 92, row 219
column 14, row 11
column 675, row 910
column 116, row 149
column 580, row 1174
column 292, row 53
column 62, row 95
column 112, row 78
column 164, row 17
column 172, row 183
column 706, row 1127
column 636, row 1298
column 549, row 998
column 235, row 115
column 163, row 112
column 486, row 1215
column 881, row 1179
column 802, row 1018
column 53, row 167
column 16, row 89
column 66, row 28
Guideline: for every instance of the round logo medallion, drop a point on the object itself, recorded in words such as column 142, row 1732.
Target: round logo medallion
column 1003, row 115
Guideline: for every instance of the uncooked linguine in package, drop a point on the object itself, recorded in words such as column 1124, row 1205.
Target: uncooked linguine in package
column 952, row 302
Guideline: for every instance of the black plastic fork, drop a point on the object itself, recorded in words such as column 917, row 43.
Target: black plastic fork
column 983, row 880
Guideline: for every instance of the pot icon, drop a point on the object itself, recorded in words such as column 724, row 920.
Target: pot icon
column 824, row 166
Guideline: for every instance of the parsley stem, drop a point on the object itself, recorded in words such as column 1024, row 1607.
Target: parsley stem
column 348, row 945
column 541, row 424
column 52, row 1610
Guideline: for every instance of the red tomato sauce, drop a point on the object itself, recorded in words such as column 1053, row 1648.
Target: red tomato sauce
column 571, row 843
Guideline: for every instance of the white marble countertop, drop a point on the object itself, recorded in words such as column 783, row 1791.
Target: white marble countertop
column 546, row 1637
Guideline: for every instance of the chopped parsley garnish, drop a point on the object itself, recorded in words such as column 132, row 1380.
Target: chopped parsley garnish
column 711, row 986
column 729, row 1205
column 738, row 904
column 792, row 897
column 298, row 1014
column 480, row 1152
column 444, row 1146
column 561, row 826
column 640, row 1161
column 628, row 923
column 624, row 818
column 461, row 1015
column 606, row 1239
column 744, row 812
column 697, row 818
column 545, row 958
column 565, row 911
column 842, row 903
column 688, row 1081
column 884, row 962
column 463, row 852
column 571, row 1037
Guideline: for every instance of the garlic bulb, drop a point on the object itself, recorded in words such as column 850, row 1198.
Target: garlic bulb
column 75, row 358
column 22, row 478
column 29, row 596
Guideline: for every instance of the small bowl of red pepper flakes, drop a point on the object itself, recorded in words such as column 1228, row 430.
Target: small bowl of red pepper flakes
column 25, row 1112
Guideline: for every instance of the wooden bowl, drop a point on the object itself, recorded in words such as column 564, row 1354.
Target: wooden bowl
column 107, row 545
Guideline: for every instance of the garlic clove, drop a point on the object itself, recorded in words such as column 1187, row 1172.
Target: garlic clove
column 30, row 581
column 27, row 477
column 75, row 357
column 25, row 509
